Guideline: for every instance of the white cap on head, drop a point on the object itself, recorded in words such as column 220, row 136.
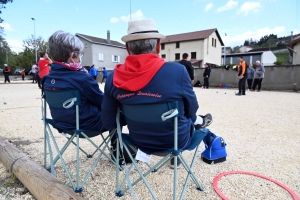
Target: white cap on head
column 142, row 29
column 5, row 65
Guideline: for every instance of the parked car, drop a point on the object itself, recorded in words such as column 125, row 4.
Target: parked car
column 18, row 71
column 1, row 70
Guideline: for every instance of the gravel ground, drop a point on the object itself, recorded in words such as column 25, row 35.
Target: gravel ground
column 261, row 130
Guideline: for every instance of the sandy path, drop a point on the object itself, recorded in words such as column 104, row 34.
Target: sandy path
column 262, row 131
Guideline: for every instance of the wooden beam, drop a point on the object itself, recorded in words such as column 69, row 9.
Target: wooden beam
column 42, row 184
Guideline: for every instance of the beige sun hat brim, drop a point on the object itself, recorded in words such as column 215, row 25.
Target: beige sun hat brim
column 142, row 29
column 142, row 36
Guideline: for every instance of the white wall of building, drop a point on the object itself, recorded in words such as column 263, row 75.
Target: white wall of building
column 268, row 58
column 185, row 47
column 107, row 56
column 296, row 54
column 212, row 54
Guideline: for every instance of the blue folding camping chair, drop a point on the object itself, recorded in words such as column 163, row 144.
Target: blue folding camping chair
column 70, row 99
column 155, row 115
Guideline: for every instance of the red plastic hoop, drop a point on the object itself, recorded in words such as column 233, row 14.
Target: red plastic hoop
column 217, row 178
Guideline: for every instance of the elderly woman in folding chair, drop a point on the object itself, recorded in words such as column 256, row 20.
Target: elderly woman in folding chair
column 67, row 74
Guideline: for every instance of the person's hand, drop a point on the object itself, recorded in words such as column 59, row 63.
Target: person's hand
column 192, row 81
column 240, row 77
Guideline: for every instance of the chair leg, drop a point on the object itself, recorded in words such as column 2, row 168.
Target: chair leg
column 142, row 176
column 62, row 161
column 78, row 165
column 175, row 178
column 190, row 174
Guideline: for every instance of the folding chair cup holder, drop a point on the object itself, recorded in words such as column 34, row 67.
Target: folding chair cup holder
column 155, row 114
column 70, row 99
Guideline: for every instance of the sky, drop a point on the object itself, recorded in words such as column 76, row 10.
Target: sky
column 235, row 20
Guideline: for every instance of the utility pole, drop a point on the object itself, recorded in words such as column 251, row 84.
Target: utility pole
column 130, row 10
column 225, row 50
column 6, row 56
column 34, row 41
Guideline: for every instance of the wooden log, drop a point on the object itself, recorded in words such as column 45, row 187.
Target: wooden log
column 42, row 184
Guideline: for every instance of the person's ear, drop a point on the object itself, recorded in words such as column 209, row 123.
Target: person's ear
column 70, row 59
column 157, row 46
column 127, row 48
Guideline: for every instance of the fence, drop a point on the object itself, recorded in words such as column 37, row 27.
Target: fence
column 281, row 77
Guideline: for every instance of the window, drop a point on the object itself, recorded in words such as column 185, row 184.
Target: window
column 162, row 46
column 115, row 58
column 213, row 42
column 163, row 55
column 177, row 56
column 193, row 55
column 177, row 44
column 100, row 56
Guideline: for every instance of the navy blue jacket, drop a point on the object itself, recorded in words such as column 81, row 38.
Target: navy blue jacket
column 170, row 83
column 91, row 98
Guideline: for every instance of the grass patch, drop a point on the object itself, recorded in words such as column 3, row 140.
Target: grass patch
column 11, row 181
column 282, row 57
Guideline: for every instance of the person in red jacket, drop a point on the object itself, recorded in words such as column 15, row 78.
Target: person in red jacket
column 23, row 74
column 6, row 72
column 43, row 65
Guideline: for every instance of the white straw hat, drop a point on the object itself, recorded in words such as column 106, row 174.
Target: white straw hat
column 142, row 29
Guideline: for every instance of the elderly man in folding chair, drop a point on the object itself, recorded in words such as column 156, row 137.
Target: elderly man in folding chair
column 145, row 78
column 74, row 99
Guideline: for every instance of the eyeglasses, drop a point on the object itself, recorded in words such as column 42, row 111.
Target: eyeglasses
column 77, row 54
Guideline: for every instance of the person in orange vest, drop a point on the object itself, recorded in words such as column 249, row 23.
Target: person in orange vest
column 242, row 75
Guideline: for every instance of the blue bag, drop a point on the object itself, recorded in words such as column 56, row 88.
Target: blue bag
column 215, row 149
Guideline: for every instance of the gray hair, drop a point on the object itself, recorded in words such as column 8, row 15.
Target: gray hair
column 142, row 46
column 258, row 61
column 62, row 44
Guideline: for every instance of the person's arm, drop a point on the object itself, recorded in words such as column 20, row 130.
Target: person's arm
column 49, row 60
column 191, row 71
column 208, row 74
column 252, row 73
column 242, row 69
column 109, row 105
column 92, row 92
column 189, row 97
column 262, row 69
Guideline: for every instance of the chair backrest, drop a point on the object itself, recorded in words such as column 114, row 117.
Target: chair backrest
column 148, row 113
column 62, row 99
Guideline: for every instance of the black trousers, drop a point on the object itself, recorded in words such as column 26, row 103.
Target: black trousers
column 104, row 78
column 6, row 78
column 242, row 85
column 206, row 83
column 249, row 82
column 257, row 81
column 38, row 79
column 34, row 78
column 23, row 77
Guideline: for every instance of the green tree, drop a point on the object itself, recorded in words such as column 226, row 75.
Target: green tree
column 5, row 51
column 26, row 58
column 236, row 49
column 2, row 5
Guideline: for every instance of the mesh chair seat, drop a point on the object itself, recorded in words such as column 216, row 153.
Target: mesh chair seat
column 89, row 133
column 156, row 115
column 70, row 99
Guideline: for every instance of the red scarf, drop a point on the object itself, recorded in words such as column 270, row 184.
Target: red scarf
column 137, row 71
